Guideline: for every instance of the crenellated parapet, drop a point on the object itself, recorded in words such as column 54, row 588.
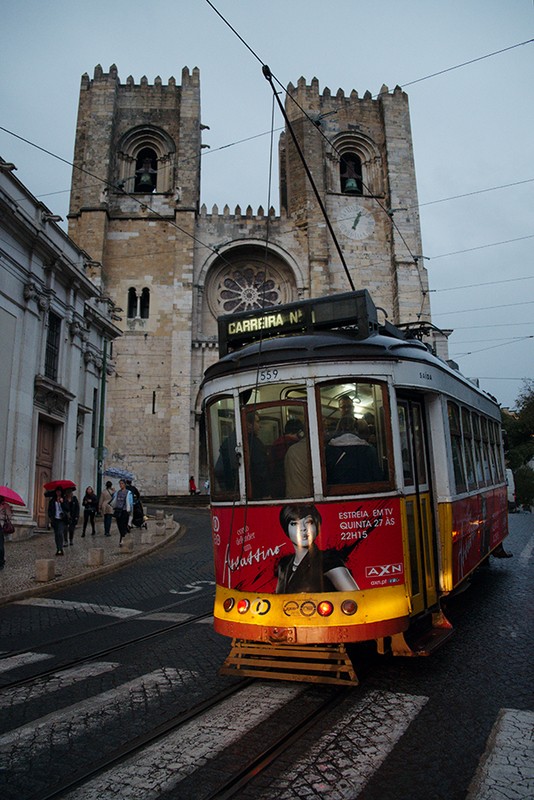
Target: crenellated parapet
column 190, row 78
column 309, row 97
column 237, row 216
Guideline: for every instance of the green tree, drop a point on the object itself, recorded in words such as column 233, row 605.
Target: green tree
column 519, row 443
column 524, row 486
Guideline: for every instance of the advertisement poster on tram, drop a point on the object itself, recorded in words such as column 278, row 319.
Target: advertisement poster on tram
column 306, row 547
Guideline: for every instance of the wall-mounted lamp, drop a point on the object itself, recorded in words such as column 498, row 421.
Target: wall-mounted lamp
column 7, row 166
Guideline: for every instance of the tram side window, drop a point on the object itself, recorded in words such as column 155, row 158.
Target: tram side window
column 456, row 447
column 498, row 450
column 406, row 450
column 468, row 448
column 355, row 436
column 477, row 440
column 277, row 454
column 222, row 449
column 419, row 444
column 486, row 463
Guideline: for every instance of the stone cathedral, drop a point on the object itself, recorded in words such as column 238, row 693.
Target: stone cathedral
column 173, row 267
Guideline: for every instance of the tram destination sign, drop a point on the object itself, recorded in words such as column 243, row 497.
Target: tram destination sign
column 352, row 310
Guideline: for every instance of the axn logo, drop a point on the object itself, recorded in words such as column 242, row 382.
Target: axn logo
column 383, row 570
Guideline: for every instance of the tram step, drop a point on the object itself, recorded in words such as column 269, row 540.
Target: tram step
column 422, row 645
column 312, row 663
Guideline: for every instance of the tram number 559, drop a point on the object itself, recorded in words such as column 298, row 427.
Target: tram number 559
column 268, row 375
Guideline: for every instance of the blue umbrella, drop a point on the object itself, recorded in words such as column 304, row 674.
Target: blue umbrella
column 121, row 474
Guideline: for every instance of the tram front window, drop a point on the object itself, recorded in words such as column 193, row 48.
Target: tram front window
column 277, row 456
column 223, row 449
column 354, row 436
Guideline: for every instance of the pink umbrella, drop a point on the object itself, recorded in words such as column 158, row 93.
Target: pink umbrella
column 11, row 497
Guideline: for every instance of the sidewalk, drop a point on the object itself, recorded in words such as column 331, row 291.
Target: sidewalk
column 18, row 578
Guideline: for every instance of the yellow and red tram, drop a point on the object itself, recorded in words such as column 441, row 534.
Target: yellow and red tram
column 356, row 479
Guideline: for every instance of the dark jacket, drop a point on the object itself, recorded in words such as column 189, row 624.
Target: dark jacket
column 52, row 508
column 72, row 510
column 90, row 502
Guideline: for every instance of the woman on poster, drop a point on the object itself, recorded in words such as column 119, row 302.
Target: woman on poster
column 309, row 569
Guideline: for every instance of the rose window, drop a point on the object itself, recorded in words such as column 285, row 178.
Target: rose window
column 247, row 289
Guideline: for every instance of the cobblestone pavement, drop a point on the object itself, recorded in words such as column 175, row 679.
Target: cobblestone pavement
column 454, row 726
column 80, row 562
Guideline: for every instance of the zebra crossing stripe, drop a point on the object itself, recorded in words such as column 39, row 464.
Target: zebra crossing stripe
column 506, row 771
column 166, row 616
column 344, row 759
column 14, row 662
column 91, row 713
column 160, row 767
column 55, row 683
column 92, row 608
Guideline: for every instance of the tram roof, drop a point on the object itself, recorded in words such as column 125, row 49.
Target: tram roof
column 322, row 346
column 336, row 328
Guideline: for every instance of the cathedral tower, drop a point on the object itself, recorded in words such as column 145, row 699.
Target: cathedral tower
column 135, row 195
column 359, row 151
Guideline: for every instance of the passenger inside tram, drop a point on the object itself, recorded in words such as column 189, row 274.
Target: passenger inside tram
column 298, row 471
column 349, row 457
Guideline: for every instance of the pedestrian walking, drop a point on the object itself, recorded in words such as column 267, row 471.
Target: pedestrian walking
column 90, row 506
column 72, row 511
column 192, row 486
column 138, row 514
column 122, row 504
column 105, row 507
column 58, row 519
column 6, row 526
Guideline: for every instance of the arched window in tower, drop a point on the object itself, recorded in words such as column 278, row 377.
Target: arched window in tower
column 146, row 161
column 350, row 173
column 144, row 306
column 132, row 303
column 146, row 171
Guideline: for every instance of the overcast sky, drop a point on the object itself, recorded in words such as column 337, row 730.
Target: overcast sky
column 472, row 126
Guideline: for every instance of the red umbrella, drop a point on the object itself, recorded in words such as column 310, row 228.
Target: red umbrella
column 11, row 497
column 53, row 485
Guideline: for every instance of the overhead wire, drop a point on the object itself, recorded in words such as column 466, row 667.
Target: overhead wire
column 487, row 283
column 313, row 122
column 467, row 63
column 215, row 251
column 414, row 257
column 111, row 185
column 483, row 247
column 485, row 308
column 492, row 347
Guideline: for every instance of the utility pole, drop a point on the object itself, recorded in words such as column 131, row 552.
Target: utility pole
column 100, row 449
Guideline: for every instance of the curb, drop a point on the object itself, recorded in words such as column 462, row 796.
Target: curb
column 93, row 572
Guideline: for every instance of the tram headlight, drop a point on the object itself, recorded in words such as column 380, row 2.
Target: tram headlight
column 228, row 604
column 349, row 607
column 243, row 606
column 325, row 608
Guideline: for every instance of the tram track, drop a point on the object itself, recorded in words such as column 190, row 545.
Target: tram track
column 232, row 784
column 253, row 768
column 102, row 653
column 78, row 779
column 97, row 628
